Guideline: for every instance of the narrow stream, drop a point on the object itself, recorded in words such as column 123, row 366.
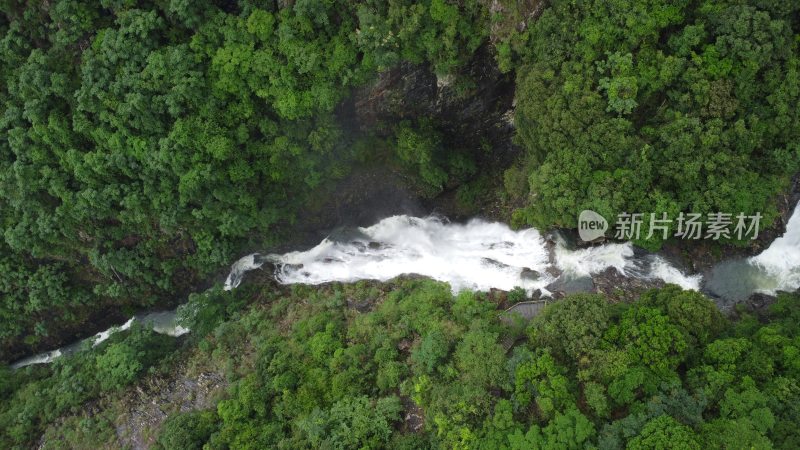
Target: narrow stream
column 164, row 322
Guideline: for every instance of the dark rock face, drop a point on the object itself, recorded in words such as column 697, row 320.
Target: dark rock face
column 493, row 262
column 145, row 408
column 479, row 112
column 473, row 111
column 529, row 274
column 759, row 302
column 414, row 416
column 619, row 287
column 565, row 285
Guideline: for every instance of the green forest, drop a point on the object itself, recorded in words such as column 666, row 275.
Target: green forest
column 307, row 370
column 145, row 145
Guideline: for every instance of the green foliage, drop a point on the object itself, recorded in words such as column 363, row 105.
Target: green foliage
column 187, row 431
column 118, row 366
column 542, row 379
column 36, row 396
column 123, row 362
column 32, row 292
column 308, row 371
column 420, row 149
column 655, row 106
column 353, row 423
column 573, row 327
column 649, row 339
column 665, row 432
column 432, row 350
column 203, row 312
column 479, row 358
column 80, row 432
column 149, row 143
column 570, row 430
column 442, row 32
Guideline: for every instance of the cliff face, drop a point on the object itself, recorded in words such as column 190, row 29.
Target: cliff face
column 474, row 113
column 472, row 109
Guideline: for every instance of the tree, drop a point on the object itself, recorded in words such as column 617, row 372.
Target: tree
column 433, row 348
column 572, row 327
column 649, row 339
column 479, row 359
column 569, row 430
column 654, row 107
column 359, row 422
column 187, row 431
column 664, row 432
column 542, row 381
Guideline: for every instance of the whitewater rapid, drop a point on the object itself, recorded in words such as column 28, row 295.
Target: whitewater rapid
column 481, row 255
column 775, row 269
column 477, row 255
column 781, row 260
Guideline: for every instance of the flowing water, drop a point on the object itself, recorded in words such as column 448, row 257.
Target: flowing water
column 481, row 255
column 775, row 269
column 164, row 322
column 478, row 255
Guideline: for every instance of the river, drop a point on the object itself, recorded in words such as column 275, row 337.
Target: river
column 481, row 255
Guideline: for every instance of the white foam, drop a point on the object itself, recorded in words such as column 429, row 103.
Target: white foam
column 781, row 260
column 104, row 335
column 478, row 255
column 164, row 322
column 590, row 260
column 663, row 270
column 41, row 358
column 240, row 267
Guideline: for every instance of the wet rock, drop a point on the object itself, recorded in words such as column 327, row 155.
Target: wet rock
column 529, row 274
column 553, row 271
column 414, row 417
column 494, row 262
column 619, row 287
column 504, row 244
column 566, row 285
column 760, row 303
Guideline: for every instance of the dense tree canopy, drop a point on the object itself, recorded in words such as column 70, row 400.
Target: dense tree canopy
column 308, row 371
column 146, row 142
column 630, row 106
